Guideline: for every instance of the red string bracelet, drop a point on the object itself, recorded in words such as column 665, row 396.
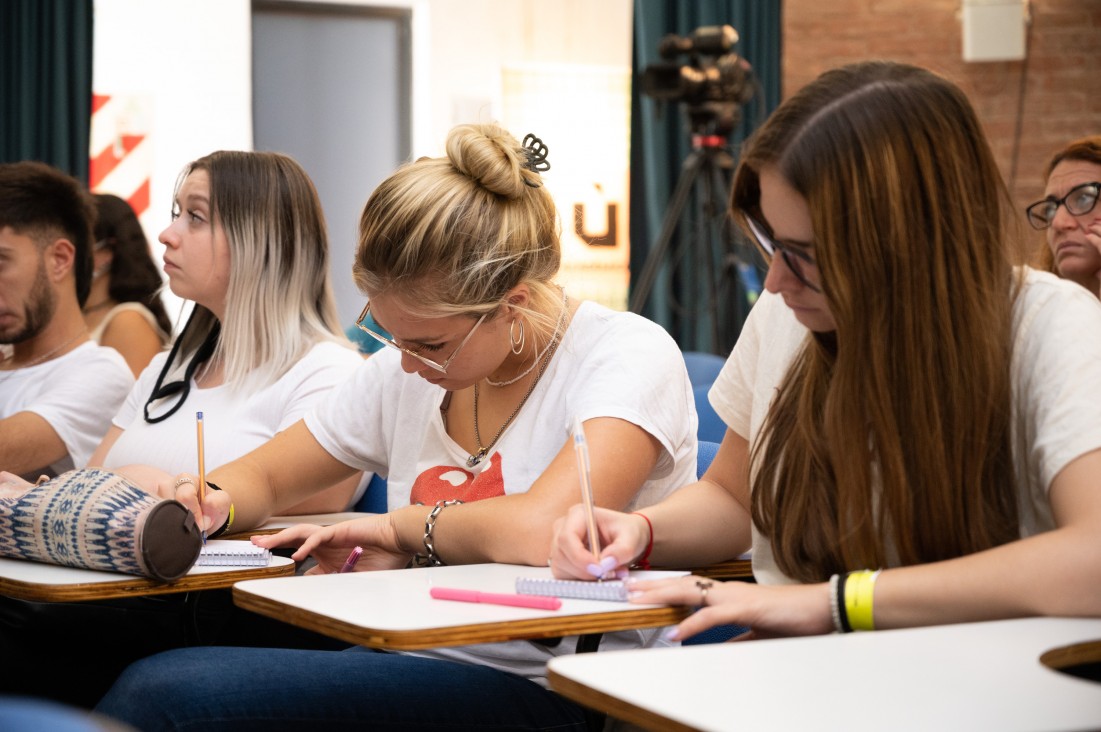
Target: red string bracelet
column 644, row 561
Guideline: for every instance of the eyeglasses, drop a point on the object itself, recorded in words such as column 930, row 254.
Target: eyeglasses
column 1079, row 200
column 795, row 259
column 441, row 367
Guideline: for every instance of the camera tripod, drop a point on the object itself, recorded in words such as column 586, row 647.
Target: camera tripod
column 707, row 255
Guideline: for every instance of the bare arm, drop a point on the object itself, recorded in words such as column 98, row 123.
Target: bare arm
column 28, row 442
column 701, row 523
column 105, row 446
column 1057, row 572
column 1054, row 573
column 132, row 336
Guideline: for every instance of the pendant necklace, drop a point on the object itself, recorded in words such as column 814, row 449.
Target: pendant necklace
column 478, row 456
column 41, row 359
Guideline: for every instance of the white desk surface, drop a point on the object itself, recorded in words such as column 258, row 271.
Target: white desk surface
column 52, row 582
column 392, row 609
column 974, row 676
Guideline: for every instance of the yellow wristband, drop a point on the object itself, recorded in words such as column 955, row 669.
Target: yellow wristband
column 859, row 597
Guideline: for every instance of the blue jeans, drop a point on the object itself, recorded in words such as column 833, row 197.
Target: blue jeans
column 266, row 689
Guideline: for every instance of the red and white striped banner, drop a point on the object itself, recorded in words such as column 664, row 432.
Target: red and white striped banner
column 121, row 151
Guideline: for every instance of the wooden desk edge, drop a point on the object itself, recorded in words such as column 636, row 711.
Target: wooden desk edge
column 739, row 569
column 134, row 586
column 612, row 706
column 459, row 635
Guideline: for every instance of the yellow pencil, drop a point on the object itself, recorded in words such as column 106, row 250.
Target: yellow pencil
column 202, row 462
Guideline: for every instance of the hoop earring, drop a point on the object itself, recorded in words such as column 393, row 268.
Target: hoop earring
column 516, row 345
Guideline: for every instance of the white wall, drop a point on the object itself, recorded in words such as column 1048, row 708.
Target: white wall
column 192, row 60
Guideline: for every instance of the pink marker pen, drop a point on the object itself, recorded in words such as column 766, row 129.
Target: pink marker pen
column 496, row 598
column 350, row 562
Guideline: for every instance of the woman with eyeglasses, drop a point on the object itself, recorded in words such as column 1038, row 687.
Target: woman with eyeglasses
column 914, row 425
column 124, row 308
column 1069, row 215
column 468, row 411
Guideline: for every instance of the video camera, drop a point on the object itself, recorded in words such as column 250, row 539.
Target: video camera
column 713, row 84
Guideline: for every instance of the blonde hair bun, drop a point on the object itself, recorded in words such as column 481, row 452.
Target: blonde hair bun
column 492, row 157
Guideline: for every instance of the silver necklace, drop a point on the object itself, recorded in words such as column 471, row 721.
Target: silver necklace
column 539, row 358
column 44, row 357
column 483, row 451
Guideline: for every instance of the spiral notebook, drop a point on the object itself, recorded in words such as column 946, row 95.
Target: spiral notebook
column 230, row 553
column 611, row 590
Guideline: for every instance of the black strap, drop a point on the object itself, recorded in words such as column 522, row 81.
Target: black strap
column 182, row 387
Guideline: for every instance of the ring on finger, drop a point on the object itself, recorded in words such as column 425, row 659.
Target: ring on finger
column 185, row 479
column 704, row 586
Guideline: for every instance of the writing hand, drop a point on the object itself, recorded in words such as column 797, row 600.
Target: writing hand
column 623, row 536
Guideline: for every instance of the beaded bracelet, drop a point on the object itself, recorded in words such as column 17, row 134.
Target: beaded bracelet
column 835, row 603
column 643, row 562
column 430, row 558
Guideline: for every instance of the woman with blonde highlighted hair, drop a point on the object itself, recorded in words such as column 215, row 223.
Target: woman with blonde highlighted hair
column 911, row 420
column 468, row 411
column 248, row 245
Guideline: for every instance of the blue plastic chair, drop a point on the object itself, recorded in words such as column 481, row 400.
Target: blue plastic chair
column 711, row 428
column 702, row 367
column 720, row 633
column 373, row 499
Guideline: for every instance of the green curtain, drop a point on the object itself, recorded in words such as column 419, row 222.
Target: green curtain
column 46, row 82
column 705, row 276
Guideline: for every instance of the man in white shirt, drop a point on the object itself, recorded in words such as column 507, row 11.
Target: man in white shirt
column 58, row 391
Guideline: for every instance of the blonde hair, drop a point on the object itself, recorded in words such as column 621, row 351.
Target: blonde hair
column 279, row 301
column 889, row 441
column 454, row 234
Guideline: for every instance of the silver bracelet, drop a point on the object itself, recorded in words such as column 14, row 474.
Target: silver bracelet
column 430, row 558
column 835, row 604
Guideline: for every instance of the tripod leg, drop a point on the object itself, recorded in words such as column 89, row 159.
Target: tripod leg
column 689, row 171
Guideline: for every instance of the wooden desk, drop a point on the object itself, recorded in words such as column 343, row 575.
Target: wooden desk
column 53, row 583
column 392, row 609
column 974, row 676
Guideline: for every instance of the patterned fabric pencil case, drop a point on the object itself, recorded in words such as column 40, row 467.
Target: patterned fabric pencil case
column 94, row 519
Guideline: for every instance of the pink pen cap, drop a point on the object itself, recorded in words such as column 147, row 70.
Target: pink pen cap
column 350, row 562
column 496, row 598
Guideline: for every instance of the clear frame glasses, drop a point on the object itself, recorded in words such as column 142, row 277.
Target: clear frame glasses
column 441, row 367
column 796, row 260
column 1079, row 200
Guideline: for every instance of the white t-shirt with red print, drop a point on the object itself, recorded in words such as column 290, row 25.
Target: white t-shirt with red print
column 609, row 364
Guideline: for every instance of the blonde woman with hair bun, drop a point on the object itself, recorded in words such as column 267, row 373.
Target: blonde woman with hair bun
column 468, row 412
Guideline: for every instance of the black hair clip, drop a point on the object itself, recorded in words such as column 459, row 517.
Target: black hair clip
column 536, row 152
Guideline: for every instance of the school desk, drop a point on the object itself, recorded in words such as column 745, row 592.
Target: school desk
column 392, row 609
column 738, row 568
column 37, row 581
column 973, row 676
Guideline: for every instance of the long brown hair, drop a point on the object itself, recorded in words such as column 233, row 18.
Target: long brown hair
column 889, row 440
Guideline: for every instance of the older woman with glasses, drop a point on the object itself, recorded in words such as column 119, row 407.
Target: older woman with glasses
column 1069, row 214
column 467, row 411
column 914, row 425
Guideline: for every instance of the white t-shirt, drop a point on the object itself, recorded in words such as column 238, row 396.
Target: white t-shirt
column 609, row 364
column 76, row 393
column 1056, row 388
column 234, row 422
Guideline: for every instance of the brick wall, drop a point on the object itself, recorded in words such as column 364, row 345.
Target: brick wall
column 1062, row 88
